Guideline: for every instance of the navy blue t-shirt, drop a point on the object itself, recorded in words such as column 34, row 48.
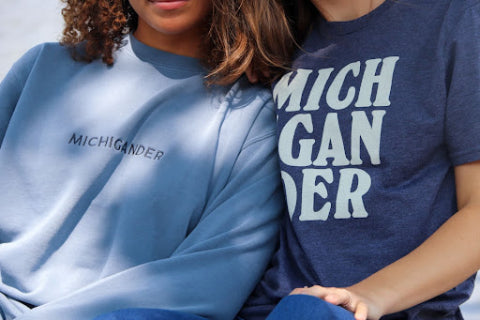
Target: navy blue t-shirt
column 371, row 122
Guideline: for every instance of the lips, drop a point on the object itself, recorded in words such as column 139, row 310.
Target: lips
column 156, row 1
column 168, row 4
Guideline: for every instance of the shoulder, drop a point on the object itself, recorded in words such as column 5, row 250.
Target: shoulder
column 50, row 50
column 250, row 98
column 449, row 18
column 439, row 3
column 243, row 94
column 443, row 8
column 50, row 54
column 463, row 5
column 250, row 110
column 462, row 20
column 262, row 105
column 457, row 9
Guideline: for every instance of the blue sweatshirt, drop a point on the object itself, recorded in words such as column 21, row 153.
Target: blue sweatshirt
column 132, row 186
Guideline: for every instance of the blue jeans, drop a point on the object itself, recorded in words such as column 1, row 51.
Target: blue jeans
column 304, row 307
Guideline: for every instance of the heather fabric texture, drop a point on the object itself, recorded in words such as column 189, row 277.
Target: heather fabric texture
column 132, row 186
column 372, row 120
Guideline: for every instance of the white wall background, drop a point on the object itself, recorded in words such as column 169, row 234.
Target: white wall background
column 471, row 309
column 25, row 23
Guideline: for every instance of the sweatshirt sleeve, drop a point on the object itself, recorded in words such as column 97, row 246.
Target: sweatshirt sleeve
column 12, row 85
column 218, row 264
column 10, row 89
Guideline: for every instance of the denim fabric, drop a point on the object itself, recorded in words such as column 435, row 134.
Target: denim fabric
column 303, row 307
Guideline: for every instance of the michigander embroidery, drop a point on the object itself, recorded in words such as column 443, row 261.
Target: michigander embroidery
column 117, row 144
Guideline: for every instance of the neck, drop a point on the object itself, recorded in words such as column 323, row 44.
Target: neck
column 345, row 10
column 187, row 44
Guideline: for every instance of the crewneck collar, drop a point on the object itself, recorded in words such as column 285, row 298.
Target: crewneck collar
column 164, row 59
column 346, row 27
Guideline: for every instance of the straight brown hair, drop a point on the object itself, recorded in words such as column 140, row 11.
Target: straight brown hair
column 301, row 15
column 243, row 35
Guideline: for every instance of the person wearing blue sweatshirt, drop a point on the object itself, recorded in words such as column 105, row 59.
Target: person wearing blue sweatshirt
column 138, row 167
column 379, row 145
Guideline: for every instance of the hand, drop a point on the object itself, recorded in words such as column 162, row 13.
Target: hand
column 360, row 306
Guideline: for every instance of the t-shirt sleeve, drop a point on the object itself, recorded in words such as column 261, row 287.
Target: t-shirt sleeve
column 463, row 84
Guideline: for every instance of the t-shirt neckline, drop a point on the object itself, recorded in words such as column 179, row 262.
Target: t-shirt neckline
column 352, row 26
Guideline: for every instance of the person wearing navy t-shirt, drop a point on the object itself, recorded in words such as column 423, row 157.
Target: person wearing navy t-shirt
column 379, row 145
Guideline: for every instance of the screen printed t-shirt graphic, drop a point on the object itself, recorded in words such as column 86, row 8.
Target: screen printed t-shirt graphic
column 371, row 121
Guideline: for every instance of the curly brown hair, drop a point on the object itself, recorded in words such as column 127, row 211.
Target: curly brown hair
column 244, row 35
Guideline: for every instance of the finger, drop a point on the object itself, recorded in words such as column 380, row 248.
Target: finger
column 339, row 297
column 296, row 291
column 361, row 311
column 316, row 291
column 335, row 299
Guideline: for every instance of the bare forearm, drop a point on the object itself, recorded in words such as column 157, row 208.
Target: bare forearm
column 447, row 258
column 444, row 260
